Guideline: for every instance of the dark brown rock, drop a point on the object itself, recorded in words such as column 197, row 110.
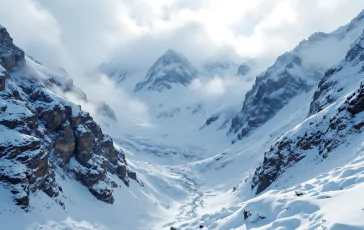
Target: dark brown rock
column 10, row 55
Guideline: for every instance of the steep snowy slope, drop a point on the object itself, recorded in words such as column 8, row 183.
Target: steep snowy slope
column 294, row 72
column 326, row 130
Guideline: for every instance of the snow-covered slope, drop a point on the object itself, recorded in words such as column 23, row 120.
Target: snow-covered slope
column 311, row 176
column 293, row 73
column 339, row 119
column 329, row 201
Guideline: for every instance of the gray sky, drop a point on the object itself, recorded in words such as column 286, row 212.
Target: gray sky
column 85, row 33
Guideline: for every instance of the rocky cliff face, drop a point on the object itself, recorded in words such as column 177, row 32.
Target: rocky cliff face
column 42, row 131
column 170, row 69
column 272, row 90
column 336, row 80
column 10, row 55
column 293, row 73
column 336, row 114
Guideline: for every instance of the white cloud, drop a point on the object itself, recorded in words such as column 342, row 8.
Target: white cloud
column 214, row 87
column 80, row 35
column 221, row 88
column 89, row 32
column 128, row 110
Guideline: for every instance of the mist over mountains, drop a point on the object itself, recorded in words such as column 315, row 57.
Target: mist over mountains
column 181, row 114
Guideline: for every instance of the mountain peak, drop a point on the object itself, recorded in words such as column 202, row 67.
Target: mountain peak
column 171, row 68
column 170, row 57
column 171, row 52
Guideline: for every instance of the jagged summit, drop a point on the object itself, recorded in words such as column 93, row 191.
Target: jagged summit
column 172, row 68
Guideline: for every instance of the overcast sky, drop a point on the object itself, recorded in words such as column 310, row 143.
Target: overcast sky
column 79, row 35
column 86, row 33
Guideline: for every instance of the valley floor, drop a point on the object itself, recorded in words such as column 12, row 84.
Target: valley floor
column 192, row 187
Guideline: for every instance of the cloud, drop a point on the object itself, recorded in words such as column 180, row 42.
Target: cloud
column 88, row 32
column 214, row 87
column 34, row 29
column 129, row 111
column 223, row 89
column 281, row 24
column 80, row 35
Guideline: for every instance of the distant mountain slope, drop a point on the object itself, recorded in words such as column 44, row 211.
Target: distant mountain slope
column 170, row 69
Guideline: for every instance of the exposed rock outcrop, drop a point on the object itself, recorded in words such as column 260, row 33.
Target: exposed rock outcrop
column 41, row 131
column 272, row 90
column 322, row 133
column 11, row 55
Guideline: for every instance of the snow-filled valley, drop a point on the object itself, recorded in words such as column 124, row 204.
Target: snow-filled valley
column 227, row 144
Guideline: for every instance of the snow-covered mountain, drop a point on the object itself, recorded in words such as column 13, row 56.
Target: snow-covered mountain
column 293, row 73
column 311, row 175
column 297, row 161
column 170, row 69
column 335, row 118
column 42, row 131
